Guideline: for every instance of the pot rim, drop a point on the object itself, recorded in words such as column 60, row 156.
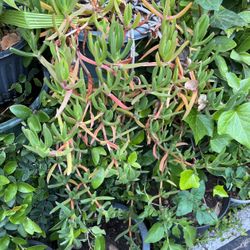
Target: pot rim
column 19, row 45
column 13, row 122
column 142, row 227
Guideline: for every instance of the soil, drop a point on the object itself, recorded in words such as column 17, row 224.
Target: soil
column 113, row 228
column 8, row 39
column 5, row 113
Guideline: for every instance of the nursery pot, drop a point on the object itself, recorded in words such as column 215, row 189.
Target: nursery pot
column 14, row 125
column 225, row 206
column 38, row 243
column 11, row 67
column 237, row 202
column 138, row 34
column 142, row 227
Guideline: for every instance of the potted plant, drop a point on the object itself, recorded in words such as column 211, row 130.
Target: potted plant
column 155, row 119
column 11, row 65
column 237, row 183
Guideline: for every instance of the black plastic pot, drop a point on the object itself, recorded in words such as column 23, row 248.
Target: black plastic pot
column 11, row 67
column 236, row 202
column 224, row 209
column 14, row 125
column 38, row 243
column 142, row 227
column 138, row 34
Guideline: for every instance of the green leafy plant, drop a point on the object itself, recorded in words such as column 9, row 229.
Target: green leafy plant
column 16, row 199
column 193, row 202
column 237, row 181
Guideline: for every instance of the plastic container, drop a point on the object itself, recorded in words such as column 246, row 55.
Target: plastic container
column 224, row 209
column 14, row 125
column 142, row 227
column 236, row 202
column 38, row 243
column 138, row 34
column 11, row 67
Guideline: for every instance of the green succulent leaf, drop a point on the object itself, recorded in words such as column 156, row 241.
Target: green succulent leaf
column 2, row 157
column 96, row 153
column 10, row 167
column 10, row 192
column 31, row 227
column 98, row 178
column 21, row 111
column 4, row 242
column 25, row 188
column 3, row 180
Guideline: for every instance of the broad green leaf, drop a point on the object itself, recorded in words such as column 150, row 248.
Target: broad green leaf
column 189, row 235
column 198, row 193
column 4, row 242
column 31, row 227
column 219, row 143
column 171, row 246
column 189, row 179
column 185, row 203
column 245, row 15
column 220, row 191
column 10, row 167
column 34, row 123
column 19, row 241
column 138, row 138
column 209, row 4
column 176, row 231
column 132, row 158
column 236, row 123
column 21, row 111
column 3, row 180
column 2, row 157
column 222, row 44
column 42, row 116
column 200, row 124
column 25, row 188
column 206, row 217
column 226, row 19
column 242, row 57
column 9, row 139
column 98, row 178
column 100, row 243
column 155, row 234
column 10, row 192
column 236, row 83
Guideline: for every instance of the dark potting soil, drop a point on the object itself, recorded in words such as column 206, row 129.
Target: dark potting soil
column 114, row 228
column 5, row 113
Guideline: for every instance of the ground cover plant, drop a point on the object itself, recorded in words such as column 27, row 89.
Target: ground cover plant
column 147, row 106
